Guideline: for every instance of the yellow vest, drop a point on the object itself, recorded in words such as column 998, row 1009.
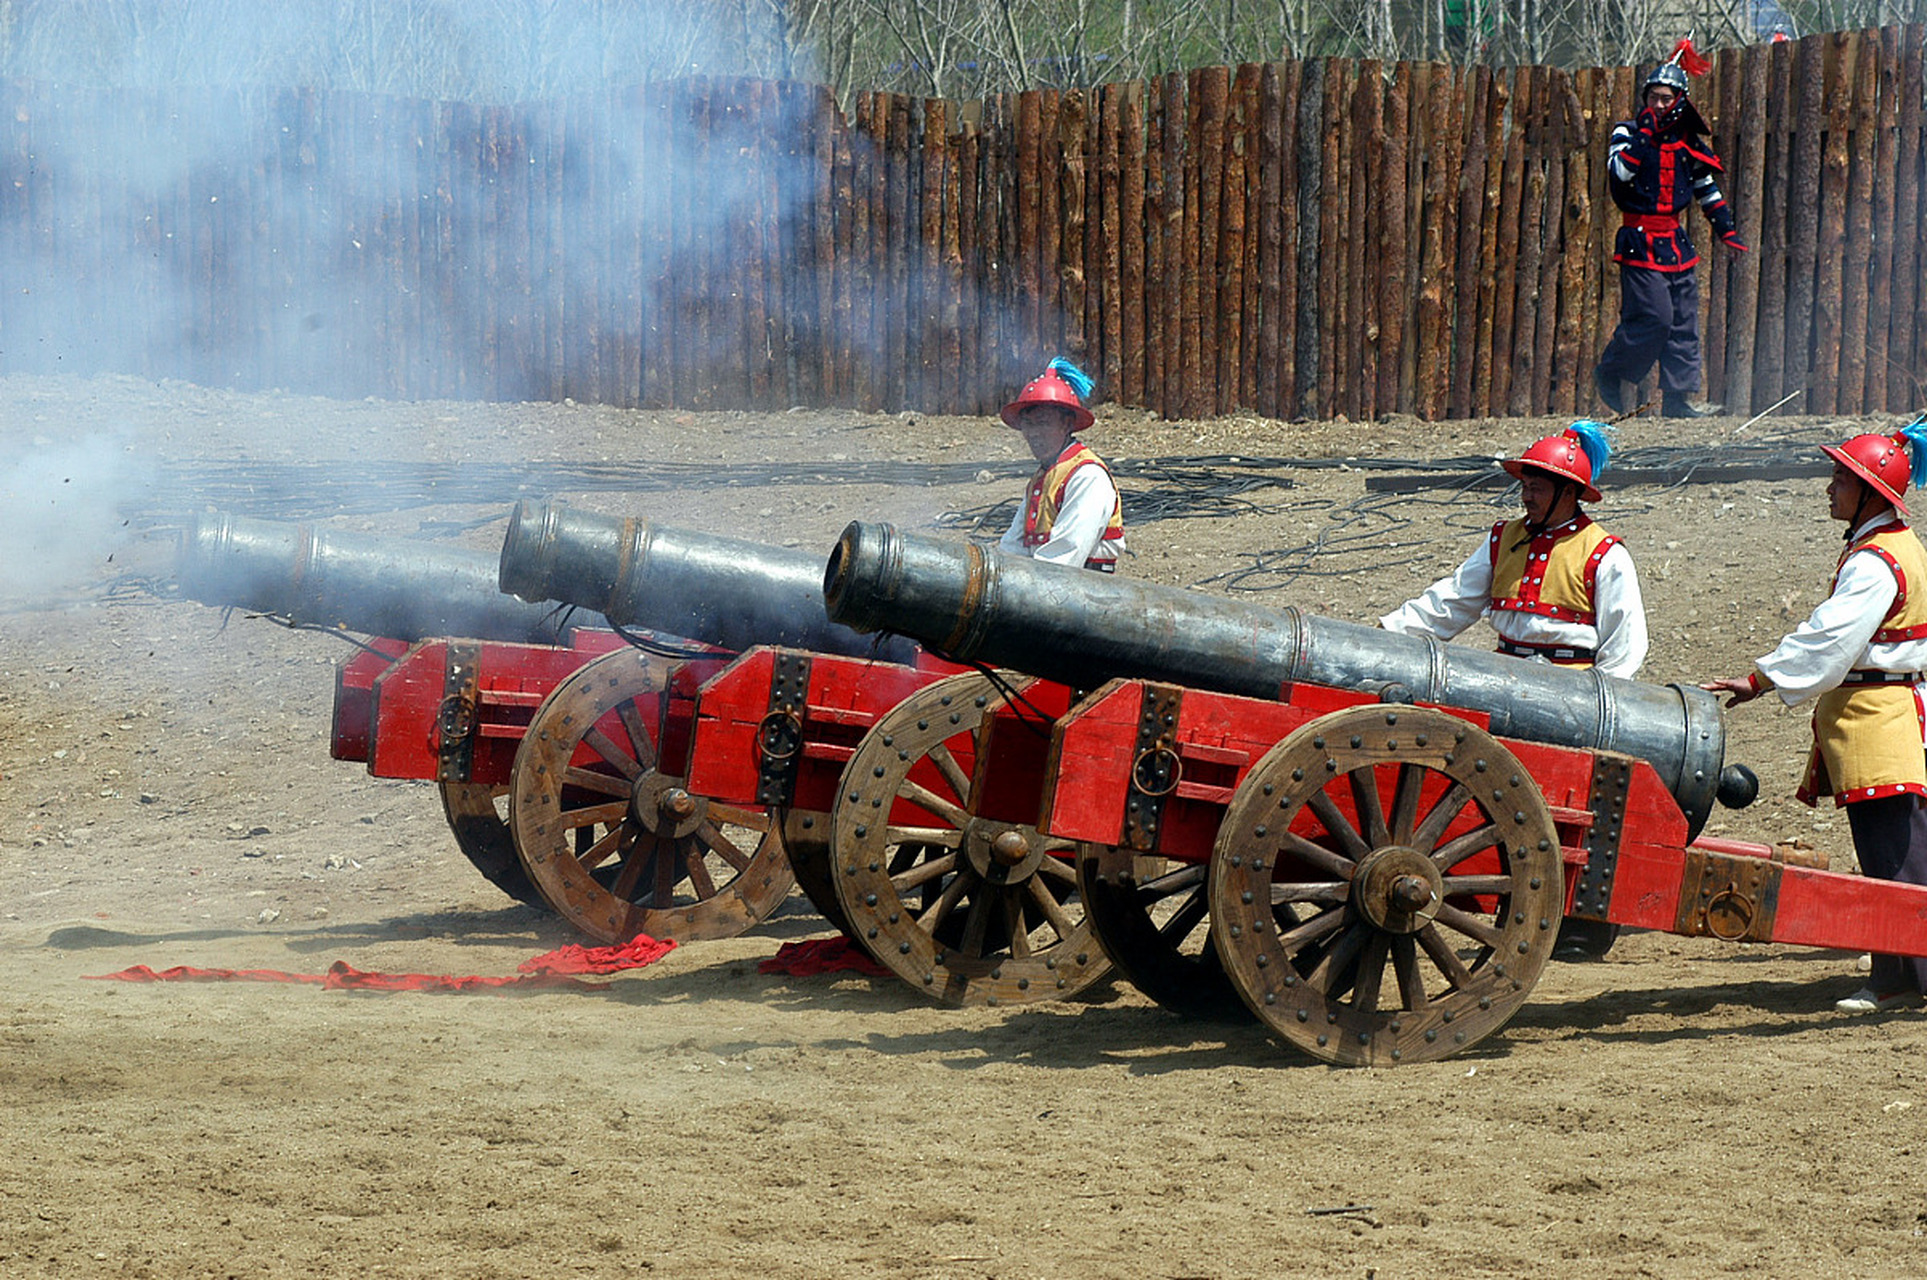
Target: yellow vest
column 1867, row 738
column 1046, row 495
column 1550, row 573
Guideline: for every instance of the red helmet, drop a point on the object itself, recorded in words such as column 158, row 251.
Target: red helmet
column 1049, row 388
column 1882, row 461
column 1564, row 456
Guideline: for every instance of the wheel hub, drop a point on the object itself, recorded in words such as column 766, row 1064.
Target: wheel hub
column 1398, row 889
column 661, row 806
column 1002, row 852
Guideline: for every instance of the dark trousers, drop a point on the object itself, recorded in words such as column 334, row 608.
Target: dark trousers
column 1659, row 319
column 1890, row 841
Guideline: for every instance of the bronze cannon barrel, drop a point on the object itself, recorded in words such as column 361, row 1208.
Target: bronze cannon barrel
column 394, row 587
column 723, row 591
column 973, row 603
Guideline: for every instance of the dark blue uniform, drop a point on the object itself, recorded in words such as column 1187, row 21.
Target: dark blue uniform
column 1652, row 179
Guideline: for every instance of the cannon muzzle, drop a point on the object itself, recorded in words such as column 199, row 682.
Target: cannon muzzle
column 975, row 604
column 723, row 591
column 392, row 587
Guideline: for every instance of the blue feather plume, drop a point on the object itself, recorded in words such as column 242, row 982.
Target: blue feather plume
column 1080, row 381
column 1914, row 436
column 1592, row 439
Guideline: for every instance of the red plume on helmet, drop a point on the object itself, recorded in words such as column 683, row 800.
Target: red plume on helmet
column 1691, row 60
column 1577, row 454
column 1887, row 462
column 1062, row 384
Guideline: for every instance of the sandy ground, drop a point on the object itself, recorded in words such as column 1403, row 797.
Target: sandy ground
column 1683, row 1108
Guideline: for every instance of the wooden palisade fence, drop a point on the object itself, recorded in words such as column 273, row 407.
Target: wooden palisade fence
column 1311, row 238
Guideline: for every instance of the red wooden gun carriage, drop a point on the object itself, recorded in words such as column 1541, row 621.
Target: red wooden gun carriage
column 1368, row 839
column 573, row 766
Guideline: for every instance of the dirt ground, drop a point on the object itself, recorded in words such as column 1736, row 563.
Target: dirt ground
column 1683, row 1108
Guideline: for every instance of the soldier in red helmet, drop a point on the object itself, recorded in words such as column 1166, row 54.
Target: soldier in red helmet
column 1861, row 658
column 1071, row 513
column 1657, row 164
column 1555, row 585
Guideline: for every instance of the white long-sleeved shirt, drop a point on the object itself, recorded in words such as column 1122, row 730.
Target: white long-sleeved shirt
column 1837, row 636
column 1617, row 635
column 1077, row 535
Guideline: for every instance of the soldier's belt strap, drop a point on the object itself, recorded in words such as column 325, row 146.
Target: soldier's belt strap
column 1550, row 652
column 1867, row 675
column 1650, row 221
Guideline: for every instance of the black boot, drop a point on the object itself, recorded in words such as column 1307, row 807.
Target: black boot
column 1611, row 391
column 1674, row 404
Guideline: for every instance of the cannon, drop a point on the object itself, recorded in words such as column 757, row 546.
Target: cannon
column 1366, row 841
column 559, row 750
column 989, row 911
column 390, row 587
column 406, row 594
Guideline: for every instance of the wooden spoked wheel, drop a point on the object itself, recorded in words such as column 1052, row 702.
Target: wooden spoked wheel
column 964, row 907
column 806, row 837
column 1424, row 864
column 1152, row 917
column 615, row 845
column 475, row 814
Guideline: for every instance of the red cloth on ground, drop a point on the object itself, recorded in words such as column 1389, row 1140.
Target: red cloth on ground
column 821, row 955
column 547, row 971
column 184, row 973
column 633, row 954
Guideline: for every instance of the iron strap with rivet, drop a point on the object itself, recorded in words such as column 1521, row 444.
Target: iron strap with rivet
column 1612, row 777
column 455, row 723
column 1155, row 767
column 779, row 738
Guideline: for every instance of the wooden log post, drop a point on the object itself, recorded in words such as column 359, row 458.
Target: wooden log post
column 1829, row 279
column 1885, row 120
column 1571, row 366
column 1179, row 182
column 1804, row 206
column 1722, row 108
column 1156, row 310
column 932, row 315
column 1245, row 111
column 963, row 231
column 1393, row 147
column 1306, row 352
column 1050, row 226
column 1073, row 193
column 1528, row 146
column 1109, row 247
column 1271, row 342
column 1512, row 199
column 1134, row 245
column 1905, row 391
column 1746, row 169
column 1468, row 264
column 1770, row 381
column 1290, row 224
column 1552, row 216
column 1202, row 360
column 1333, row 227
column 1863, row 92
column 1225, row 302
column 1438, row 143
